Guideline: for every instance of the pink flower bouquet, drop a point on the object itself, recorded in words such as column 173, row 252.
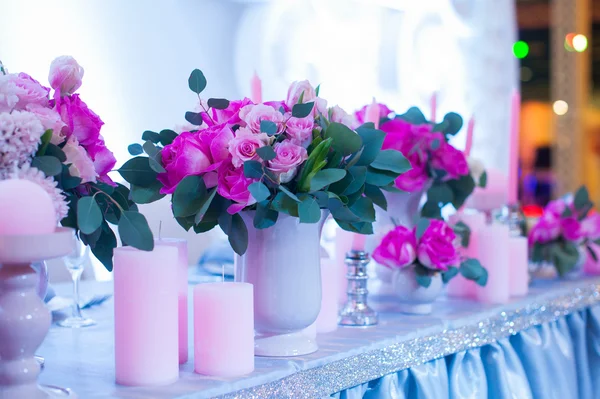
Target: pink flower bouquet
column 436, row 165
column 429, row 248
column 56, row 142
column 294, row 156
column 564, row 227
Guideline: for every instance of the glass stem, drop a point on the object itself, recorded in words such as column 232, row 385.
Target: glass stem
column 76, row 275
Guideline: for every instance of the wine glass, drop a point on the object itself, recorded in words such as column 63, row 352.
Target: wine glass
column 75, row 261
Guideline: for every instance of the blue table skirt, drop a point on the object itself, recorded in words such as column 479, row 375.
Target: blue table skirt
column 560, row 359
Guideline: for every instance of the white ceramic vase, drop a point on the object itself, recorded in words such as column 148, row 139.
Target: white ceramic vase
column 283, row 264
column 413, row 298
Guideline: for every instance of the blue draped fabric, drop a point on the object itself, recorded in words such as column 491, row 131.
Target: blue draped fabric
column 558, row 360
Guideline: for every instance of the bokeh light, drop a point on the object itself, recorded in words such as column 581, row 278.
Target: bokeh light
column 520, row 49
column 560, row 107
column 580, row 43
column 526, row 74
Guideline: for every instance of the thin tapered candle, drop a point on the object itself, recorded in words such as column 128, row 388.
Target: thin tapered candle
column 513, row 149
column 469, row 143
column 433, row 104
column 372, row 113
column 256, row 89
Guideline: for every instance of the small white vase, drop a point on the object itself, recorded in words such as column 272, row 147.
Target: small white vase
column 413, row 298
column 283, row 264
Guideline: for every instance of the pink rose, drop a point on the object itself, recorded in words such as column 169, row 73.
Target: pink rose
column 397, row 249
column 288, row 157
column 233, row 185
column 340, row 116
column 65, row 75
column 384, row 111
column 252, row 115
column 591, row 226
column 556, row 207
column 278, row 105
column 50, row 119
column 416, row 178
column 104, row 160
column 81, row 164
column 451, row 160
column 295, row 91
column 19, row 90
column 81, row 121
column 545, row 230
column 299, row 130
column 436, row 248
column 230, row 115
column 194, row 154
column 571, row 229
column 244, row 145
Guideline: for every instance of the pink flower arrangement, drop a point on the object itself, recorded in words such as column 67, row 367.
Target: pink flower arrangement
column 429, row 248
column 293, row 156
column 564, row 228
column 55, row 141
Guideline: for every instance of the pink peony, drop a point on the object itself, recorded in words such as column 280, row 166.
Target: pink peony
column 81, row 165
column 340, row 116
column 546, row 229
column 572, row 229
column 230, row 115
column 451, row 160
column 244, row 145
column 65, row 75
column 397, row 249
column 252, row 115
column 436, row 248
column 289, row 157
column 50, row 119
column 104, row 161
column 591, row 226
column 194, row 154
column 556, row 207
column 19, row 90
column 233, row 185
column 299, row 130
column 384, row 111
column 81, row 121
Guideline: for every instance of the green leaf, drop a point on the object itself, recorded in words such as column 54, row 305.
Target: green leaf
column 89, row 216
column 55, row 151
column 364, row 228
column 203, row 227
column 435, row 144
column 422, row 225
column 449, row 274
column 167, row 136
column 44, row 141
column 71, row 219
column 391, row 160
column 582, row 198
column 592, row 253
column 483, row 180
column 309, row 210
column 149, row 135
column 195, row 118
column 218, row 103
column 440, row 193
column 564, row 256
column 567, row 212
column 316, row 161
column 204, row 208
column 188, row 196
column 284, row 203
column 461, row 188
column 146, row 195
column 137, row 171
column 66, row 181
column 186, row 222
column 51, row 166
column 90, row 239
column 259, row 191
column 156, row 166
column 104, row 247
column 268, row 127
column 134, row 231
column 253, row 170
column 238, row 236
column 266, row 153
column 150, row 148
column 264, row 217
column 454, row 122
column 464, row 232
column 135, row 149
column 372, row 141
column 414, row 116
column 363, row 208
column 471, row 269
column 197, row 81
column 287, row 192
column 424, row 280
column 431, row 210
column 380, row 178
column 341, row 212
column 376, row 195
column 325, row 177
column 302, row 110
column 345, row 140
column 440, row 127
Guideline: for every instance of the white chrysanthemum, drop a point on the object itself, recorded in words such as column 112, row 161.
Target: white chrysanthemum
column 20, row 133
column 35, row 175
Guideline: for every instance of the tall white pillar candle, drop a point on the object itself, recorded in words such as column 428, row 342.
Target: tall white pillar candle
column 494, row 255
column 146, row 287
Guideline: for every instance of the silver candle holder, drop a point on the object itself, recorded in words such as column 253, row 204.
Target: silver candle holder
column 513, row 216
column 356, row 312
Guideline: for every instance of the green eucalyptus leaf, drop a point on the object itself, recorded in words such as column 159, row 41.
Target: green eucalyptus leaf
column 483, row 180
column 71, row 219
column 203, row 216
column 341, row 212
column 195, row 118
column 137, row 171
column 325, row 177
column 253, row 170
column 259, row 191
column 471, row 269
column 364, row 209
column 186, row 222
column 440, row 193
column 345, row 140
column 391, row 160
column 309, row 210
column 188, row 196
column 135, row 149
column 218, row 103
column 50, row 165
column 380, row 178
column 104, row 247
column 89, row 216
column 364, row 228
column 431, row 210
column 302, row 110
column 156, row 166
column 55, row 151
column 287, row 192
column 167, row 136
column 66, row 181
column 197, row 81
column 268, row 127
column 266, row 153
column 264, row 216
column 376, row 195
column 284, row 203
column 44, row 141
column 435, row 144
column 203, row 227
column 454, row 122
column 422, row 225
column 449, row 274
column 134, row 231
column 582, row 198
column 414, row 116
column 146, row 195
column 462, row 230
column 149, row 135
column 238, row 235
column 461, row 188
